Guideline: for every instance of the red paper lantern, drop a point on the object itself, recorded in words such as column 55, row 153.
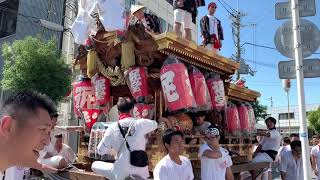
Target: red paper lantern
column 176, row 86
column 145, row 111
column 232, row 120
column 216, row 90
column 251, row 117
column 90, row 116
column 200, row 90
column 83, row 96
column 137, row 80
column 102, row 89
column 243, row 117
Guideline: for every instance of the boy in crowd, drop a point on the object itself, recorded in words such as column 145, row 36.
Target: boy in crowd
column 285, row 147
column 291, row 167
column 173, row 165
column 315, row 156
column 201, row 124
column 294, row 137
column 215, row 161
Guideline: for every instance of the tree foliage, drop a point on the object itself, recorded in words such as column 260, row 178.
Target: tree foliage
column 33, row 64
column 260, row 111
column 314, row 120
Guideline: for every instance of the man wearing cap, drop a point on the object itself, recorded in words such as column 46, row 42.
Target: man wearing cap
column 150, row 22
column 215, row 161
column 211, row 29
column 269, row 144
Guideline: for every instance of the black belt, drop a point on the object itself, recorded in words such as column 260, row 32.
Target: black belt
column 271, row 153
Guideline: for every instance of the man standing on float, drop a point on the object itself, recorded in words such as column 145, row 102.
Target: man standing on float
column 211, row 29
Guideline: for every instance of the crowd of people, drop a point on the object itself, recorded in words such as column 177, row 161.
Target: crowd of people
column 31, row 139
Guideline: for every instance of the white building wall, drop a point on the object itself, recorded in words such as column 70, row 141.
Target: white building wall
column 284, row 123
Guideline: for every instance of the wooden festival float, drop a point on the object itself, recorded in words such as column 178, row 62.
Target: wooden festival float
column 112, row 56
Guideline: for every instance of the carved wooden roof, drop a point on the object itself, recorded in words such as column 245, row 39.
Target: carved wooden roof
column 242, row 94
column 189, row 52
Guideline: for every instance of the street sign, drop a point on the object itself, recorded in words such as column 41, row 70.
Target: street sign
column 310, row 38
column 287, row 69
column 306, row 8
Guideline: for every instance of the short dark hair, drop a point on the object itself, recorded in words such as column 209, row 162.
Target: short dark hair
column 58, row 136
column 294, row 135
column 54, row 115
column 317, row 136
column 200, row 114
column 286, row 140
column 125, row 104
column 273, row 120
column 167, row 135
column 24, row 104
column 295, row 144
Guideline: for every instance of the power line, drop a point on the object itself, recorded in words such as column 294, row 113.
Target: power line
column 226, row 9
column 256, row 45
column 232, row 9
column 262, row 46
column 261, row 63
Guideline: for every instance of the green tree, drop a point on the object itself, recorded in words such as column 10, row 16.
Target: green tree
column 33, row 64
column 260, row 111
column 314, row 120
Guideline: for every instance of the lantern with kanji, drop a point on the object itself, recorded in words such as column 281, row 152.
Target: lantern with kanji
column 137, row 80
column 232, row 119
column 83, row 96
column 176, row 85
column 200, row 89
column 90, row 116
column 145, row 111
column 251, row 117
column 101, row 86
column 243, row 117
column 216, row 90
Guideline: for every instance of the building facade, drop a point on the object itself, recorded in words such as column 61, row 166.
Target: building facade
column 164, row 11
column 284, row 118
column 19, row 19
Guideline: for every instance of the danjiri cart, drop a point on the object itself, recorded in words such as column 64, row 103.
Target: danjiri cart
column 113, row 58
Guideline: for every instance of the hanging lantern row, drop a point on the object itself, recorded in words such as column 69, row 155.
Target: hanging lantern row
column 240, row 118
column 183, row 90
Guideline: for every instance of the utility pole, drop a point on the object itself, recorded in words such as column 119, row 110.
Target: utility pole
column 68, row 49
column 300, row 88
column 236, row 30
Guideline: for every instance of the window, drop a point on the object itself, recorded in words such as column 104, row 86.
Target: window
column 284, row 116
column 128, row 4
column 8, row 17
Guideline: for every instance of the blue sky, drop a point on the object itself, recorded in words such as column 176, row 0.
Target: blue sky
column 266, row 80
